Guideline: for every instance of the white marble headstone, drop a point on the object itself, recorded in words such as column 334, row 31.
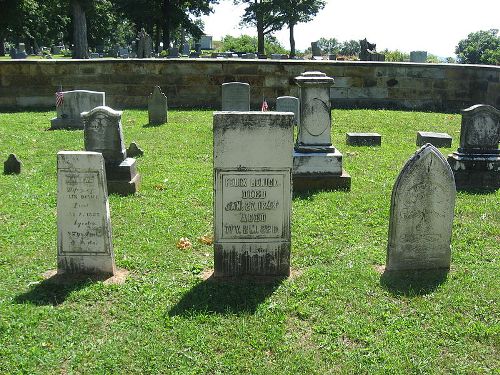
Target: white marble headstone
column 236, row 96
column 252, row 168
column 421, row 216
column 84, row 243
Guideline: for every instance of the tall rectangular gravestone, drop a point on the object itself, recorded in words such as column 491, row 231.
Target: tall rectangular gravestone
column 236, row 96
column 421, row 215
column 253, row 193
column 84, row 239
column 289, row 104
column 70, row 105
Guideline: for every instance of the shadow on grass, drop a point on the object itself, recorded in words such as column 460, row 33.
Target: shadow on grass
column 55, row 289
column 485, row 191
column 148, row 125
column 226, row 296
column 311, row 194
column 413, row 283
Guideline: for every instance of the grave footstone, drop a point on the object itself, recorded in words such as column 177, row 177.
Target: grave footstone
column 421, row 214
column 134, row 151
column 235, row 96
column 103, row 133
column 316, row 163
column 476, row 163
column 436, row 139
column 252, row 169
column 71, row 104
column 289, row 104
column 12, row 165
column 84, row 238
column 157, row 107
column 363, row 139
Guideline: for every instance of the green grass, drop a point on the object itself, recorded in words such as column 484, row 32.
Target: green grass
column 335, row 315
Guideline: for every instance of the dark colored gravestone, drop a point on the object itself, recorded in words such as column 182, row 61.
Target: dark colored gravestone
column 363, row 139
column 134, row 151
column 476, row 164
column 12, row 165
column 103, row 133
column 435, row 139
column 157, row 107
column 421, row 215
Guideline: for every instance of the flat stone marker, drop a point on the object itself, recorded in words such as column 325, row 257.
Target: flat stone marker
column 12, row 165
column 253, row 194
column 289, row 104
column 157, row 107
column 103, row 133
column 435, row 139
column 236, row 96
column 363, row 139
column 84, row 243
column 73, row 104
column 476, row 163
column 421, row 215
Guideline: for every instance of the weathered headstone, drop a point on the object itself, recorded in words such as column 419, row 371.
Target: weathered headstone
column 144, row 44
column 185, row 49
column 72, row 104
column 134, row 151
column 435, row 139
column 173, row 52
column 103, row 133
column 235, row 96
column 315, row 50
column 363, row 139
column 316, row 163
column 12, row 165
column 421, row 215
column 368, row 52
column 418, row 56
column 206, row 42
column 476, row 164
column 84, row 239
column 252, row 168
column 157, row 107
column 249, row 56
column 289, row 104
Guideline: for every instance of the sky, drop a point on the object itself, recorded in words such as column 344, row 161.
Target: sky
column 435, row 26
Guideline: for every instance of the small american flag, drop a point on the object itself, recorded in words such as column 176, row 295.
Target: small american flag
column 265, row 107
column 59, row 99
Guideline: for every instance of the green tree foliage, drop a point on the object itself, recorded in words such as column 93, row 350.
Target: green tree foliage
column 395, row 56
column 329, row 46
column 293, row 12
column 481, row 47
column 350, row 48
column 265, row 15
column 247, row 43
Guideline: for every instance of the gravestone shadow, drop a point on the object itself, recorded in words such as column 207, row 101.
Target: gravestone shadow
column 152, row 125
column 226, row 296
column 413, row 282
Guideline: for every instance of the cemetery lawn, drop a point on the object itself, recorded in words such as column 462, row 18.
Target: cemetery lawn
column 337, row 313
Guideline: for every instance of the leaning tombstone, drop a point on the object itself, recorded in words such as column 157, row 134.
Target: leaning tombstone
column 289, row 104
column 317, row 165
column 476, row 164
column 12, row 165
column 421, row 214
column 252, row 189
column 236, row 96
column 70, row 105
column 157, row 107
column 103, row 133
column 84, row 239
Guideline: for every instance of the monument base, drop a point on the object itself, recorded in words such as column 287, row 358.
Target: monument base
column 475, row 172
column 317, row 162
column 65, row 123
column 123, row 179
column 321, row 181
column 86, row 264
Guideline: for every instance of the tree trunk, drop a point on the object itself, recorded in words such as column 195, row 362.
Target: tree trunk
column 2, row 46
column 260, row 36
column 166, row 24
column 292, row 41
column 80, row 49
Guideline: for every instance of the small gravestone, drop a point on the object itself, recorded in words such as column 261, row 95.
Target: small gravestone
column 476, row 163
column 315, row 50
column 185, row 49
column 317, row 165
column 103, row 133
column 173, row 52
column 236, row 96
column 435, row 139
column 70, row 105
column 144, row 44
column 252, row 169
column 363, row 139
column 418, row 56
column 134, row 151
column 206, row 42
column 157, row 107
column 289, row 104
column 84, row 239
column 421, row 215
column 12, row 165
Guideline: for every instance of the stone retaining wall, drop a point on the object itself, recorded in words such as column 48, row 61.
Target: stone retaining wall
column 197, row 82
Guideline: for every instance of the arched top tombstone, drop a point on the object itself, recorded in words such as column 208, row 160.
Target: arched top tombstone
column 157, row 107
column 480, row 129
column 421, row 216
column 236, row 96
